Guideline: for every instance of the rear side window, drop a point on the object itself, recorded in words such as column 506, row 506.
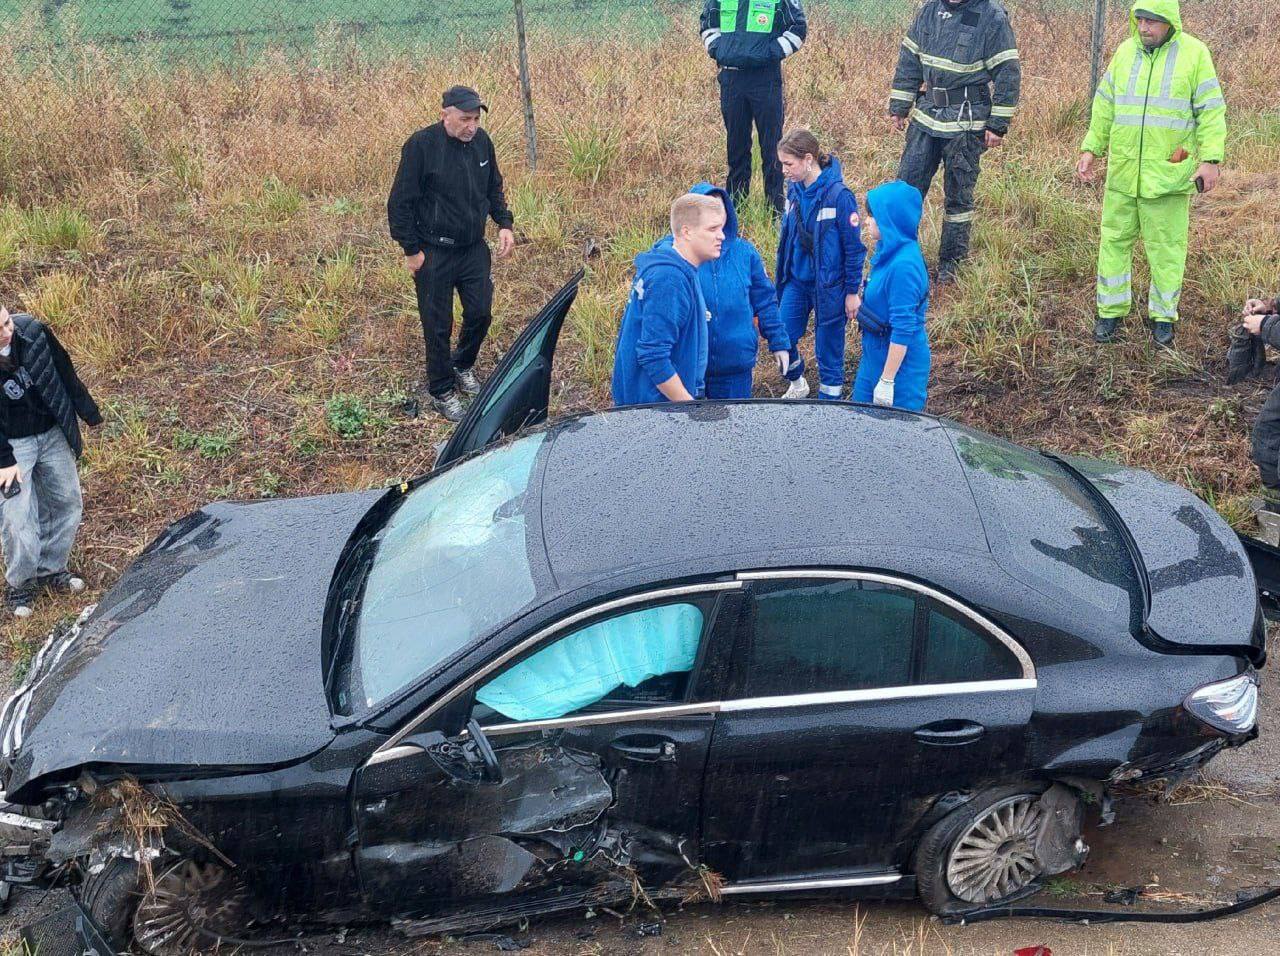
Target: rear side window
column 955, row 653
column 811, row 636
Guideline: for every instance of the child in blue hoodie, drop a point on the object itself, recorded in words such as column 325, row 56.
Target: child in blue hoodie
column 895, row 346
column 820, row 261
column 738, row 292
column 661, row 355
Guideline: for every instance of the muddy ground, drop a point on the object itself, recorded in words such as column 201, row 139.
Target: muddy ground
column 1217, row 834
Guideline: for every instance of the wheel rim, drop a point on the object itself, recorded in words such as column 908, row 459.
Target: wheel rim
column 996, row 856
column 190, row 905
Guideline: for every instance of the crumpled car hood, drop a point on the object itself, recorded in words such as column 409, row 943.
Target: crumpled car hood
column 207, row 652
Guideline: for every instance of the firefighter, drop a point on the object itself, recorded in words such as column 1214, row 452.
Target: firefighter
column 749, row 39
column 1160, row 117
column 954, row 92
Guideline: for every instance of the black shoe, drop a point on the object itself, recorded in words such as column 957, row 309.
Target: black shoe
column 948, row 271
column 1162, row 333
column 449, row 406
column 1104, row 330
column 61, row 582
column 20, row 600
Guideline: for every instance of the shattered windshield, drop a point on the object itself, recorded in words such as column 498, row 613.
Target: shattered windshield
column 449, row 565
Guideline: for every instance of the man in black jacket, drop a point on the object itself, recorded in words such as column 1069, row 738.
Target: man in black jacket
column 749, row 39
column 40, row 399
column 955, row 91
column 446, row 187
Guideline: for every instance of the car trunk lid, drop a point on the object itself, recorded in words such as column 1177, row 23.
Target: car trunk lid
column 1201, row 591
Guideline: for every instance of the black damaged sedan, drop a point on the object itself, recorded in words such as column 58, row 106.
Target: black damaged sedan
column 720, row 649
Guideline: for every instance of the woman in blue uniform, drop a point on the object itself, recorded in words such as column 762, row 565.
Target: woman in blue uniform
column 895, row 345
column 820, row 260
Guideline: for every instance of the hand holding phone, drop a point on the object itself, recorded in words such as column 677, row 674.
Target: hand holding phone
column 12, row 490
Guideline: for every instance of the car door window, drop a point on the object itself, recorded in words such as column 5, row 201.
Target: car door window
column 956, row 653
column 643, row 656
column 810, row 637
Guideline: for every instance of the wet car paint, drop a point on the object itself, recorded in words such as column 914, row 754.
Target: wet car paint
column 205, row 652
column 334, row 833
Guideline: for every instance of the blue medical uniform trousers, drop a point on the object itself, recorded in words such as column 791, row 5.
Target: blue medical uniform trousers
column 828, row 339
column 910, row 385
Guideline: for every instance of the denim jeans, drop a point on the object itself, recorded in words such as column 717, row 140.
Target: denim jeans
column 38, row 525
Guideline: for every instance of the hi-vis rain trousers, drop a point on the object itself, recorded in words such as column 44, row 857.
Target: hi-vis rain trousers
column 1156, row 116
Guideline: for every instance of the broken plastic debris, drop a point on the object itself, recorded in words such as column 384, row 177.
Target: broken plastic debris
column 649, row 929
column 1033, row 951
column 1125, row 896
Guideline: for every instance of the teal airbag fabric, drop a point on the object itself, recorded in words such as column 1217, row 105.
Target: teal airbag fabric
column 585, row 666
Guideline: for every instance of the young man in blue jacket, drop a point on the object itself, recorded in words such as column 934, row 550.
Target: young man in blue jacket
column 738, row 293
column 661, row 353
column 895, row 346
column 749, row 39
column 820, row 261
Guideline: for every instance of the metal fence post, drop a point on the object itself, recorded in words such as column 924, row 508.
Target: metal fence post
column 526, row 90
column 1099, row 34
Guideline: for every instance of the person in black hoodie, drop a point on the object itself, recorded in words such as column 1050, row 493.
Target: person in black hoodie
column 40, row 400
column 446, row 187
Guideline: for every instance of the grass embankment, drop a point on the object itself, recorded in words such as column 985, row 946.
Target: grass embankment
column 212, row 248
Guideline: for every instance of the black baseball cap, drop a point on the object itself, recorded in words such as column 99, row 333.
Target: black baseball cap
column 463, row 98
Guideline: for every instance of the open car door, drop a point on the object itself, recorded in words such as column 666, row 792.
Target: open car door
column 519, row 390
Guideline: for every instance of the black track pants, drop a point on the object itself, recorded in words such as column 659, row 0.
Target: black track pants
column 1266, row 441
column 961, row 157
column 747, row 98
column 468, row 270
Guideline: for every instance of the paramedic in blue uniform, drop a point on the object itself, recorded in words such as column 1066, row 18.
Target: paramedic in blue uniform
column 820, row 261
column 739, row 294
column 894, row 369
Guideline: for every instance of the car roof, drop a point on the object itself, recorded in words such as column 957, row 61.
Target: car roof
column 725, row 484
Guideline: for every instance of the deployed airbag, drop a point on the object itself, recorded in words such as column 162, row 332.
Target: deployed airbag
column 585, row 666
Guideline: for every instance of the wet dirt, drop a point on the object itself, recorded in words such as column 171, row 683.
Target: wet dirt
column 1193, row 848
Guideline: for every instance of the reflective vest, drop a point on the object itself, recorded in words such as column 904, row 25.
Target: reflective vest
column 1157, row 115
column 760, row 15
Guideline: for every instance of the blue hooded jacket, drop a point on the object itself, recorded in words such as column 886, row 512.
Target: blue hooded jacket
column 663, row 331
column 737, row 291
column 830, row 212
column 897, row 293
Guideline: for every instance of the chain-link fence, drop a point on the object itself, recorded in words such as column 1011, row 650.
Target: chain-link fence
column 52, row 40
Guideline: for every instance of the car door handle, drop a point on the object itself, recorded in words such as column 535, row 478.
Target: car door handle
column 645, row 749
column 949, row 733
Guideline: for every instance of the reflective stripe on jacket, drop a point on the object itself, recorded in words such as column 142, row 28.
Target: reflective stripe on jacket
column 743, row 34
column 967, row 50
column 1157, row 115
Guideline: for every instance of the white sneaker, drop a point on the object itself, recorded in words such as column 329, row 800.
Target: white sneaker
column 797, row 389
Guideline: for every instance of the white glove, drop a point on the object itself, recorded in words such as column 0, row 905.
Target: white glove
column 883, row 394
column 784, row 362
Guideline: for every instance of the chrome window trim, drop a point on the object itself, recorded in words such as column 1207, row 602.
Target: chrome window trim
column 744, row 704
column 793, row 886
column 457, row 689
column 995, row 630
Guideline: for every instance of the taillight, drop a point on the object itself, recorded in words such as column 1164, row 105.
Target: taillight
column 1230, row 706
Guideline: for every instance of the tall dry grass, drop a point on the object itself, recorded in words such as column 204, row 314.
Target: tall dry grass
column 212, row 246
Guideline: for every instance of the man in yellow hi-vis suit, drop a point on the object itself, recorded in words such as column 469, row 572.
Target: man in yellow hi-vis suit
column 1159, row 116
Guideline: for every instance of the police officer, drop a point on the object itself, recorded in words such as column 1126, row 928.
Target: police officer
column 955, row 90
column 446, row 187
column 749, row 39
